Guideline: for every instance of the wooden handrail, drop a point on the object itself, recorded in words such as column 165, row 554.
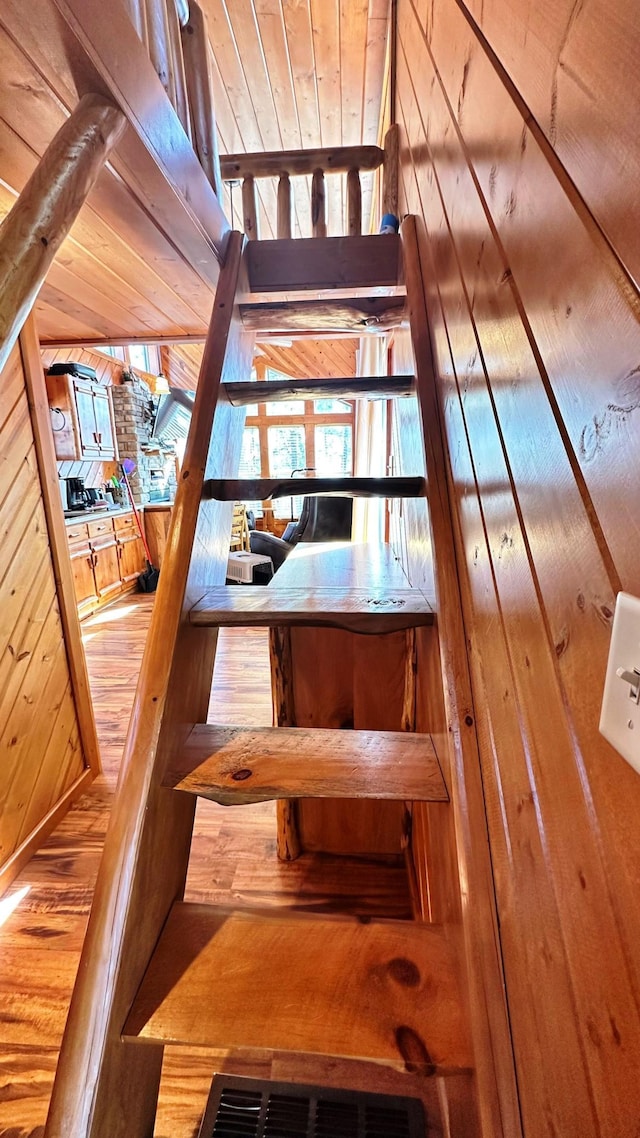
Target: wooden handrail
column 336, row 160
column 33, row 231
column 197, row 65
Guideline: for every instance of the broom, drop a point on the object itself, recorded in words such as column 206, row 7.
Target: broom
column 148, row 579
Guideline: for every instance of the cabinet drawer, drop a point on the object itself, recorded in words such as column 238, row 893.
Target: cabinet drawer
column 98, row 529
column 125, row 524
column 78, row 532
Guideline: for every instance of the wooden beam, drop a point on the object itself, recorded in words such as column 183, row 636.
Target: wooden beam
column 235, row 765
column 385, row 990
column 198, row 74
column 279, row 390
column 370, row 611
column 317, row 262
column 390, row 170
column 158, row 161
column 33, row 231
column 250, row 208
column 377, row 312
column 263, row 489
column 338, row 160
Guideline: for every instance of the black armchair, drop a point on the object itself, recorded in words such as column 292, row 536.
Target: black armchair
column 322, row 518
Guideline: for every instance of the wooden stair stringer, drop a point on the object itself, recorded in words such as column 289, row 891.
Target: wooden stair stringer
column 101, row 1082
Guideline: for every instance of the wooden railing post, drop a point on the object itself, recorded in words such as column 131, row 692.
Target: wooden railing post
column 284, row 206
column 354, row 204
column 33, row 231
column 197, row 64
column 250, row 207
column 390, row 170
column 318, row 205
column 181, row 102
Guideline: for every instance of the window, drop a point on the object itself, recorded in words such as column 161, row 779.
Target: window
column 333, row 449
column 288, row 407
column 332, row 407
column 287, row 453
column 250, row 462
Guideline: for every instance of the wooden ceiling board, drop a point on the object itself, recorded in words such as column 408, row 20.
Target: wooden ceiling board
column 305, row 359
column 299, row 74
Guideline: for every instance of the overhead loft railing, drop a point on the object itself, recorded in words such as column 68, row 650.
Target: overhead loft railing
column 175, row 35
column 287, row 164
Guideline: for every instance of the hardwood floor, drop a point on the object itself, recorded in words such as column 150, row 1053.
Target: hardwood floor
column 233, row 859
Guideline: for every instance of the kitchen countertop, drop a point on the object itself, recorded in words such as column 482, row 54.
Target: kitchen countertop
column 157, row 506
column 95, row 515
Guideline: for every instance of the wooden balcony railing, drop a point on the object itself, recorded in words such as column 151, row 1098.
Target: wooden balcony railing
column 288, row 164
column 175, row 35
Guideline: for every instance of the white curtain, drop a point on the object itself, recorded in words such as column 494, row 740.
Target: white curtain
column 370, row 444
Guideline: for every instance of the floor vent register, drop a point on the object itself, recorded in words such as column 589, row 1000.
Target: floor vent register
column 251, row 1108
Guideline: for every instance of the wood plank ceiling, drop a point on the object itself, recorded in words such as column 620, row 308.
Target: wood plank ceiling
column 287, row 73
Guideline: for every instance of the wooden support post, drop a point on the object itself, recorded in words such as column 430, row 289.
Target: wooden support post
column 181, row 103
column 284, row 713
column 250, row 208
column 318, row 205
column 197, row 65
column 390, row 170
column 284, row 206
column 160, row 45
column 33, row 231
column 354, row 204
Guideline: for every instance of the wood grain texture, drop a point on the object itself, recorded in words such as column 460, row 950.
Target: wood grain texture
column 309, row 317
column 539, row 469
column 128, row 914
column 197, row 63
column 232, row 766
column 340, row 970
column 370, row 611
column 320, row 262
column 338, row 161
column 44, row 766
column 41, row 218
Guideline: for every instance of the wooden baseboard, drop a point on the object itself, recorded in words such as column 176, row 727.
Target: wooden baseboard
column 19, row 858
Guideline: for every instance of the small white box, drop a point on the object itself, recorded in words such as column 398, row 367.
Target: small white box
column 241, row 565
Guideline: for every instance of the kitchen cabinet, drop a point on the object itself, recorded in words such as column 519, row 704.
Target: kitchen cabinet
column 81, row 418
column 106, row 556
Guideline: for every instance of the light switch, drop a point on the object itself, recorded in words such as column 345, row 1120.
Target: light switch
column 620, row 714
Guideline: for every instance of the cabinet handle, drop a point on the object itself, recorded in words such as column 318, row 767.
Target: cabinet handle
column 90, row 559
column 95, row 560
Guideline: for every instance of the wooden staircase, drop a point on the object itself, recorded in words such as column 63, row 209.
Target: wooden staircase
column 157, row 971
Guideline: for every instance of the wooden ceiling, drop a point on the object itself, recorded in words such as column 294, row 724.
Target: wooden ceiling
column 294, row 74
column 138, row 263
column 303, row 359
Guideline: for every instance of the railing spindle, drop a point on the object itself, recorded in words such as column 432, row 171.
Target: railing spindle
column 284, row 206
column 159, row 45
column 181, row 102
column 318, row 205
column 354, row 204
column 390, row 170
column 250, row 207
column 197, row 65
column 138, row 15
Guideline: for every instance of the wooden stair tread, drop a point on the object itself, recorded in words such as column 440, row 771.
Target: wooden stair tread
column 236, row 765
column 275, row 390
column 309, row 313
column 384, row 991
column 261, row 489
column 291, row 264
column 375, row 610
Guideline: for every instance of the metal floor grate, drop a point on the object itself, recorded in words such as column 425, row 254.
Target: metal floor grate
column 252, row 1108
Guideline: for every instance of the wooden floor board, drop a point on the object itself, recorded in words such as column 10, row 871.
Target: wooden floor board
column 233, row 862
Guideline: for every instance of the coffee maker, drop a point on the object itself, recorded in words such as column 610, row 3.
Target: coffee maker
column 76, row 494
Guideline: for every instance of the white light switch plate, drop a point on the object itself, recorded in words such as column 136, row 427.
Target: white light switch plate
column 620, row 714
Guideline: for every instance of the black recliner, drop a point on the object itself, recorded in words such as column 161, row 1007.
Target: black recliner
column 322, row 518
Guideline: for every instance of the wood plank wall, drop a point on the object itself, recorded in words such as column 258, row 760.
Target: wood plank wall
column 520, row 157
column 42, row 765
